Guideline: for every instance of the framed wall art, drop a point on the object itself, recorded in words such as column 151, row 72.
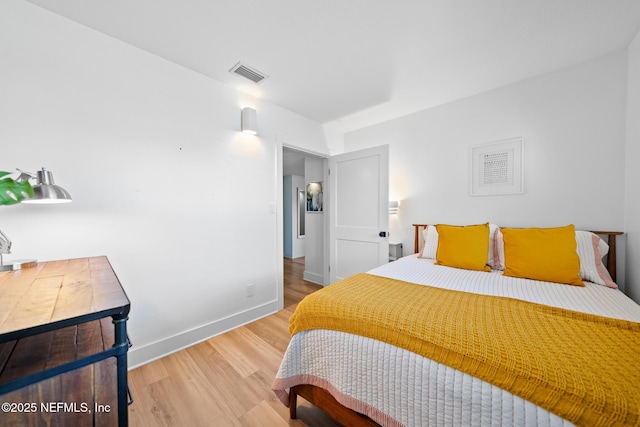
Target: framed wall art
column 314, row 197
column 497, row 168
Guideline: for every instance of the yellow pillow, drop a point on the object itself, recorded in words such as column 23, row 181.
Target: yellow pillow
column 463, row 246
column 547, row 254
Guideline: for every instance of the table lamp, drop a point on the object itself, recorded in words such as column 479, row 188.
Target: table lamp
column 44, row 191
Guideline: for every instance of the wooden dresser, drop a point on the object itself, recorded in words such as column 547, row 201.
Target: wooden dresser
column 63, row 345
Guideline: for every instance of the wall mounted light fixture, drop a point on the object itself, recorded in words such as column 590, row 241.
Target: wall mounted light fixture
column 249, row 122
column 394, row 206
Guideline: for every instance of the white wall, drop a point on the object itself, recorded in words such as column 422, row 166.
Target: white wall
column 163, row 182
column 632, row 155
column 573, row 122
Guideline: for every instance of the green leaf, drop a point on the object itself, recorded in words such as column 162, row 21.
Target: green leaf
column 12, row 192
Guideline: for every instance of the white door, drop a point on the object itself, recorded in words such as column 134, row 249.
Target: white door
column 358, row 212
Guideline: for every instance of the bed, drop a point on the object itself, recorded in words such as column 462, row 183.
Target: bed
column 360, row 378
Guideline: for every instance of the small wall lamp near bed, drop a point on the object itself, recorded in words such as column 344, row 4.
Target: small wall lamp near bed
column 482, row 326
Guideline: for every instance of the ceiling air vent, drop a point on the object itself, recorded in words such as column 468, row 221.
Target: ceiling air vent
column 248, row 72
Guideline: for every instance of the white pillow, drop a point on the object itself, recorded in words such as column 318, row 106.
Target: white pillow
column 430, row 235
column 591, row 249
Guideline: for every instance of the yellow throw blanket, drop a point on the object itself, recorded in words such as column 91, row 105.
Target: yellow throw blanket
column 581, row 367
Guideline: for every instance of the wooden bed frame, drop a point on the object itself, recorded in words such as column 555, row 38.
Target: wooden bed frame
column 322, row 399
column 325, row 401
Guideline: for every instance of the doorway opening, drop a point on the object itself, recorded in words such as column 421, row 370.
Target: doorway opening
column 304, row 215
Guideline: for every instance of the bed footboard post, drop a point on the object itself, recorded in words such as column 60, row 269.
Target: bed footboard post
column 293, row 402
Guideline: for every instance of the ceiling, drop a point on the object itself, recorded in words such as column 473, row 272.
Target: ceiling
column 353, row 63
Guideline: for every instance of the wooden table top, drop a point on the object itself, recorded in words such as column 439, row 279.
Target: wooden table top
column 54, row 292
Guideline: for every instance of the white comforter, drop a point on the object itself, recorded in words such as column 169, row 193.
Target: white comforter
column 397, row 387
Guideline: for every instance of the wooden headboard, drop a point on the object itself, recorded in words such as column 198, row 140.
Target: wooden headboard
column 610, row 239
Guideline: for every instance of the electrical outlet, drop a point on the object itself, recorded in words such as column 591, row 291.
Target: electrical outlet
column 251, row 290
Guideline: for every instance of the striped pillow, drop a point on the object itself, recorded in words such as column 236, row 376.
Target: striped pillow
column 591, row 250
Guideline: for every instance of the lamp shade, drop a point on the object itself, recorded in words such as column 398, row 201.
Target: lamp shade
column 249, row 121
column 46, row 191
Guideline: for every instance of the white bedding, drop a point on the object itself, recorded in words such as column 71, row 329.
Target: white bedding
column 397, row 387
column 594, row 299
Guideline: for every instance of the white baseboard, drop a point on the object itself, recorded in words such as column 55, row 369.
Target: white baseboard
column 313, row 278
column 138, row 356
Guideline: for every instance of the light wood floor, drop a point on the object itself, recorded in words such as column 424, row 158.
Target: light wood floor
column 226, row 381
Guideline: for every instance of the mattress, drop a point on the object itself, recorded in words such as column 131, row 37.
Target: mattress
column 397, row 387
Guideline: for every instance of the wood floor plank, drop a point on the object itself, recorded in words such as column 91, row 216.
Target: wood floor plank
column 197, row 394
column 158, row 405
column 240, row 348
column 145, row 410
column 262, row 415
column 270, row 330
column 152, row 372
column 231, row 349
column 229, row 385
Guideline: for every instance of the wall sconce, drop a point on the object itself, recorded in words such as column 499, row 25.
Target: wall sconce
column 394, row 206
column 45, row 191
column 249, row 123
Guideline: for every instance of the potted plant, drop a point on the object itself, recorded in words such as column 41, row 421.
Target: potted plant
column 11, row 191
